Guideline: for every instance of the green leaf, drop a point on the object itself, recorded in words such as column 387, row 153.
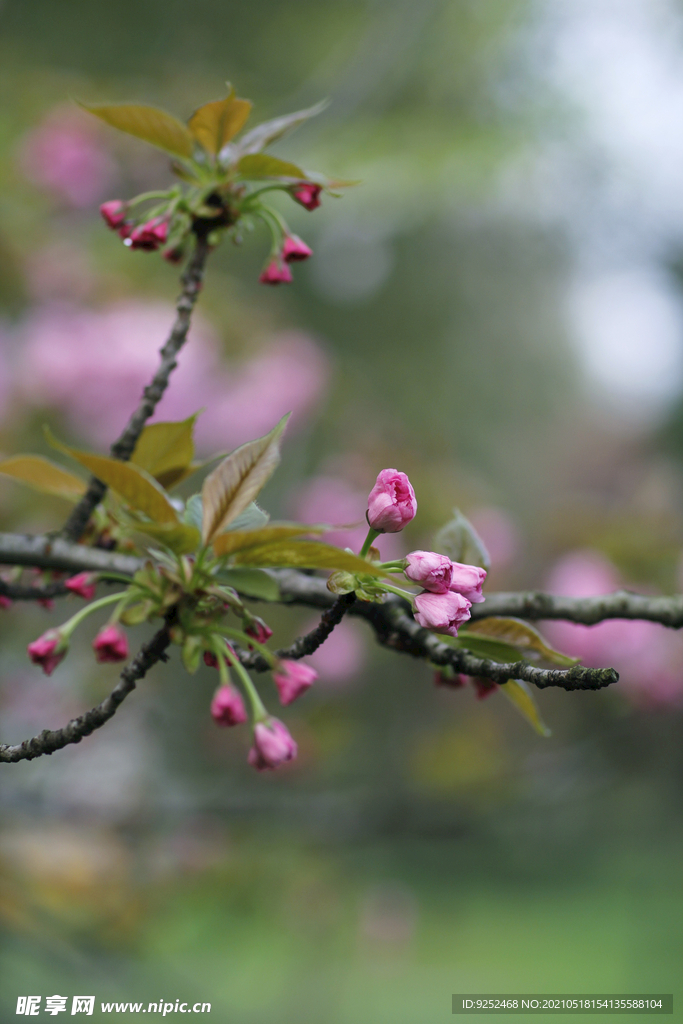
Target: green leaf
column 258, row 165
column 521, row 635
column 251, row 583
column 239, row 540
column 193, row 511
column 137, row 488
column 305, row 554
column 43, row 475
column 461, row 543
column 519, row 694
column 270, row 131
column 179, row 537
column 252, row 518
column 234, row 483
column 165, row 449
column 217, row 122
column 483, row 647
column 149, row 123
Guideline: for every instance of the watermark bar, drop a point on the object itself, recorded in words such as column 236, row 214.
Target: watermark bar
column 606, row 1004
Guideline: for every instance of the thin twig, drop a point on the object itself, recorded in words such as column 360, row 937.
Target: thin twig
column 309, row 642
column 125, row 445
column 50, row 740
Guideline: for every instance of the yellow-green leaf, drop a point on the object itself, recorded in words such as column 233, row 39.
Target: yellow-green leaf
column 148, row 123
column 305, row 554
column 519, row 694
column 179, row 537
column 240, row 540
column 165, row 448
column 43, row 475
column 217, row 122
column 251, row 582
column 485, row 647
column 520, row 635
column 132, row 483
column 259, row 165
column 237, row 480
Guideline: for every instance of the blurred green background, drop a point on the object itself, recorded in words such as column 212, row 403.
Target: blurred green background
column 495, row 311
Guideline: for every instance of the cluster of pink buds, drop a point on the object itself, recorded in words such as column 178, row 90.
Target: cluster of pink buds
column 277, row 271
column 148, row 236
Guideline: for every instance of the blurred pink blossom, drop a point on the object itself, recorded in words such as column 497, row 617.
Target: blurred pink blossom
column 341, row 658
column 648, row 657
column 330, row 499
column 64, row 155
column 93, row 364
column 499, row 534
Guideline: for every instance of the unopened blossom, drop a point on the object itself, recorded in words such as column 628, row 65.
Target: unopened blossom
column 84, row 585
column 294, row 249
column 431, row 570
column 276, row 272
column 293, row 678
column 467, row 580
column 210, row 659
column 391, row 504
column 148, row 236
column 308, row 194
column 273, row 746
column 110, row 644
column 48, row 650
column 258, row 629
column 446, row 676
column 442, row 613
column 5, row 602
column 227, row 707
column 484, row 687
column 114, row 213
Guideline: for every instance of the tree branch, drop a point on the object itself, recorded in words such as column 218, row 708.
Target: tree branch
column 309, row 642
column 125, row 445
column 622, row 604
column 50, row 740
column 47, row 552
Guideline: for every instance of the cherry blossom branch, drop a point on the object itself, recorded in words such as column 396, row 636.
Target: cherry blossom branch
column 50, row 740
column 124, row 446
column 309, row 642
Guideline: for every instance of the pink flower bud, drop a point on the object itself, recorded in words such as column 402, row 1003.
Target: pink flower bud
column 276, row 272
column 227, row 707
column 447, row 677
column 294, row 249
column 84, row 585
column 273, row 746
column 149, row 236
column 308, row 194
column 467, row 580
column 292, row 678
column 442, row 613
column 259, row 629
column 391, row 504
column 110, row 644
column 484, row 687
column 47, row 603
column 5, row 602
column 114, row 213
column 174, row 254
column 210, row 659
column 48, row 650
column 431, row 570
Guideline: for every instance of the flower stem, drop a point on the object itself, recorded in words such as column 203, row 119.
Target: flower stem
column 405, row 594
column 258, row 711
column 367, row 543
column 76, row 619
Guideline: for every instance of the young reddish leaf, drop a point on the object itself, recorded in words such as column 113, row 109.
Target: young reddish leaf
column 137, row 488
column 237, row 480
column 259, row 165
column 305, row 554
column 148, row 123
column 43, row 475
column 519, row 694
column 165, row 447
column 217, row 122
column 521, row 635
column 240, row 540
column 270, row 131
